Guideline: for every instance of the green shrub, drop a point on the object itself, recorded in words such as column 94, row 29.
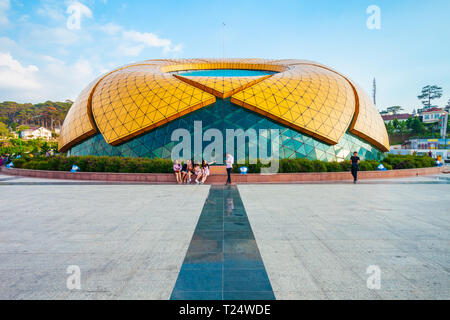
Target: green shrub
column 112, row 164
column 97, row 164
column 19, row 163
column 408, row 161
column 368, row 165
column 252, row 167
column 319, row 166
column 333, row 166
column 346, row 165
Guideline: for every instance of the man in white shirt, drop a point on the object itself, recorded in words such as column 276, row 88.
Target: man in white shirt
column 230, row 162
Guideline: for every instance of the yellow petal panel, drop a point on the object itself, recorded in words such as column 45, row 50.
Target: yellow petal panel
column 368, row 123
column 307, row 98
column 78, row 124
column 139, row 98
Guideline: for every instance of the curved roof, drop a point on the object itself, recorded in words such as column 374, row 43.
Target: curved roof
column 304, row 95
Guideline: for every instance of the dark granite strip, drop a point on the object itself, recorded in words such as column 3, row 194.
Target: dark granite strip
column 223, row 260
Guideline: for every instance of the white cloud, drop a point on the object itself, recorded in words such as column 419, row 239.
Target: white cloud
column 49, row 11
column 133, row 42
column 5, row 5
column 54, row 80
column 148, row 39
column 55, row 36
column 131, row 51
column 111, row 29
column 15, row 76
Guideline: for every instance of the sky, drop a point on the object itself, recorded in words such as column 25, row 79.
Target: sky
column 52, row 49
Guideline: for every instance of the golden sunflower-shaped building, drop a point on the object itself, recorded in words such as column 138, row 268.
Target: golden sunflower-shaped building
column 132, row 111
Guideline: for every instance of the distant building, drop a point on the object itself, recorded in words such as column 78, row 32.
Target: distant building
column 435, row 147
column 401, row 117
column 431, row 115
column 36, row 133
column 427, row 144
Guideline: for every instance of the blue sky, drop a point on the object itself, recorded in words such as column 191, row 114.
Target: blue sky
column 42, row 58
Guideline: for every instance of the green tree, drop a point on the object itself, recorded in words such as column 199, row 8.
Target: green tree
column 4, row 131
column 409, row 122
column 389, row 127
column 394, row 109
column 396, row 124
column 48, row 114
column 428, row 94
column 402, row 127
column 417, row 126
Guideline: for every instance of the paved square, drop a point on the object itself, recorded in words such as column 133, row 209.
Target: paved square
column 129, row 241
column 317, row 241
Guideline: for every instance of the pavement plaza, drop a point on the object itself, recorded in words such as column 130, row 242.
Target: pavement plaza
column 298, row 241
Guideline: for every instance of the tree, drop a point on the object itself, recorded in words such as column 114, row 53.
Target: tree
column 417, row 126
column 4, row 131
column 402, row 127
column 430, row 93
column 409, row 122
column 394, row 109
column 396, row 123
column 389, row 128
column 48, row 114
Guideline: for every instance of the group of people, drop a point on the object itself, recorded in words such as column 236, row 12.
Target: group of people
column 184, row 173
column 188, row 171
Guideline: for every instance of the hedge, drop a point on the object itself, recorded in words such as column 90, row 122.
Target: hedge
column 409, row 161
column 145, row 165
column 97, row 164
column 391, row 162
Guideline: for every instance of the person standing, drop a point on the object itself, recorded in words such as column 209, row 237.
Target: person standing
column 355, row 166
column 230, row 162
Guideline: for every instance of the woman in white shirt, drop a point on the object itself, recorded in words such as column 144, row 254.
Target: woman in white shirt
column 230, row 162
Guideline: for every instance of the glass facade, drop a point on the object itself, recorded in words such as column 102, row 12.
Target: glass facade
column 224, row 115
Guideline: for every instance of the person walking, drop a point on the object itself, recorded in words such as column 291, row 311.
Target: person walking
column 230, row 162
column 355, row 166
